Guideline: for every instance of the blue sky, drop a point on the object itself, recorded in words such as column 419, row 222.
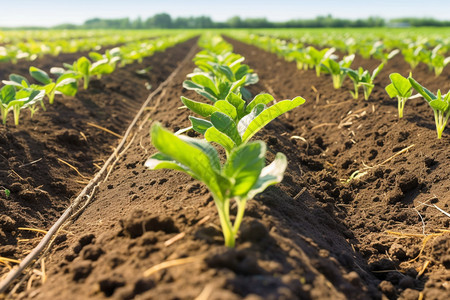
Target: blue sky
column 53, row 12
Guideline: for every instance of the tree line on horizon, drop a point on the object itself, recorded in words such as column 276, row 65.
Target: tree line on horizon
column 165, row 21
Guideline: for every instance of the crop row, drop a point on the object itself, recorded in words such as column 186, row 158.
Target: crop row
column 18, row 94
column 325, row 61
column 31, row 49
column 230, row 121
column 432, row 52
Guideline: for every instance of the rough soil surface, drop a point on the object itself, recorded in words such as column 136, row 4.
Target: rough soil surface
column 32, row 154
column 320, row 234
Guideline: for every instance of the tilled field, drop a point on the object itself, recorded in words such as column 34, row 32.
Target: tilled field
column 35, row 156
column 320, row 234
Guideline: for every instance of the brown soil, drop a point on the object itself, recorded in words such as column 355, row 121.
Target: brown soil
column 317, row 235
column 41, row 184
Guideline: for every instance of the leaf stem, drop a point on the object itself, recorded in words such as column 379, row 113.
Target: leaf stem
column 225, row 222
column 239, row 215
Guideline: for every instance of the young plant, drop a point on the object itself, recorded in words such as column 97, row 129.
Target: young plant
column 218, row 75
column 379, row 53
column 16, row 101
column 86, row 70
column 365, row 79
column 65, row 84
column 301, row 58
column 411, row 56
column 439, row 62
column 6, row 192
column 439, row 103
column 317, row 57
column 401, row 88
column 338, row 70
column 239, row 179
column 233, row 122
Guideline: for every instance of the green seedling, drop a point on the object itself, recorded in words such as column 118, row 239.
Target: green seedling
column 439, row 103
column 401, row 88
column 85, row 70
column 338, row 70
column 365, row 79
column 439, row 62
column 317, row 57
column 218, row 75
column 239, row 179
column 233, row 122
column 65, row 84
column 411, row 56
column 301, row 57
column 378, row 52
column 6, row 191
column 17, row 100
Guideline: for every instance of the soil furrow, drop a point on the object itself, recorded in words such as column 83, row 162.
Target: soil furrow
column 320, row 234
column 35, row 155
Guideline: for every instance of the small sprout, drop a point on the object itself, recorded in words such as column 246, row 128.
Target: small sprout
column 239, row 179
column 16, row 101
column 6, row 191
column 338, row 70
column 401, row 88
column 363, row 78
column 439, row 103
column 317, row 57
column 65, row 84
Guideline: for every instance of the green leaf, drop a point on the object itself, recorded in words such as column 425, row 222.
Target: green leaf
column 187, row 84
column 238, row 103
column 203, row 109
column 244, row 166
column 200, row 125
column 334, row 66
column 227, row 108
column 377, row 71
column 352, row 74
column 439, row 105
column 271, row 174
column 237, row 84
column 269, row 114
column 17, row 80
column 226, row 125
column 49, row 88
column 214, row 135
column 101, row 67
column 198, row 157
column 95, row 56
column 401, row 84
column 429, row 96
column 83, row 65
column 161, row 161
column 67, row 87
column 225, row 70
column 245, row 93
column 391, row 90
column 40, row 75
column 247, row 119
column 7, row 93
column 251, row 79
column 261, row 98
column 241, row 72
column 205, row 82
